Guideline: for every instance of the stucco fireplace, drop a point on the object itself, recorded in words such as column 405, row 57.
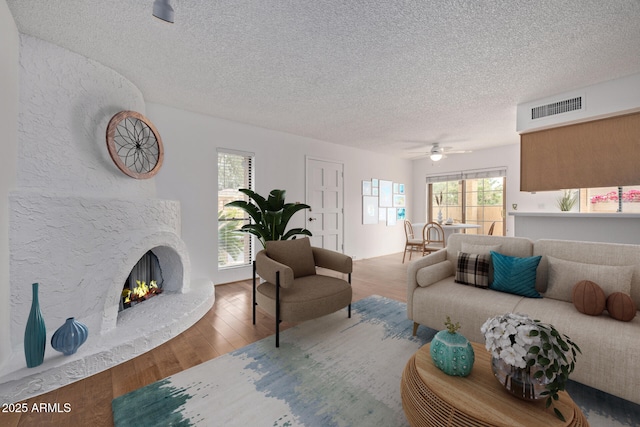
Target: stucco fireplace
column 78, row 226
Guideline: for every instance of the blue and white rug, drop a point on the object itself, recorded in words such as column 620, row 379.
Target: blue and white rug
column 332, row 371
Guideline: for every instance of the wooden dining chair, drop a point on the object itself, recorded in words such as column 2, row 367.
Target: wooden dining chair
column 412, row 244
column 490, row 233
column 433, row 238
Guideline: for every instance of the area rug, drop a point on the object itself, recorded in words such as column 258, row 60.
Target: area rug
column 332, row 371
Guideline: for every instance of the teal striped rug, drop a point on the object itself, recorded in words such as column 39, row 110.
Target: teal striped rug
column 331, row 371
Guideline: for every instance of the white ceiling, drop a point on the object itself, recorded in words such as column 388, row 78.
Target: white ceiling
column 389, row 76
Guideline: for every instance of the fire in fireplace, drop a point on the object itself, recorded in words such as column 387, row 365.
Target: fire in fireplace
column 144, row 281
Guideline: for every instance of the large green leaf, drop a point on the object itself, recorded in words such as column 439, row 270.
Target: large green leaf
column 296, row 231
column 270, row 216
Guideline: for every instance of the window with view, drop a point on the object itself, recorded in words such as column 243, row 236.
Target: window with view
column 470, row 197
column 235, row 171
column 610, row 199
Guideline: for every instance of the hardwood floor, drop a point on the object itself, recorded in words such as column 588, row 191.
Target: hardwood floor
column 226, row 327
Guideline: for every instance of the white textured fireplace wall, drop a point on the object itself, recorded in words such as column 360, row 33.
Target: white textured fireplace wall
column 77, row 225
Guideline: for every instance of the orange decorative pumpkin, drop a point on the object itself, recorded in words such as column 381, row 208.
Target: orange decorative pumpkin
column 621, row 307
column 589, row 298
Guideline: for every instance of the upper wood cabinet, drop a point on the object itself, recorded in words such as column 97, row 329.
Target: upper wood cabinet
column 599, row 153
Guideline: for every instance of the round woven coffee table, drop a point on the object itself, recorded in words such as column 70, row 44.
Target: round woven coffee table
column 432, row 398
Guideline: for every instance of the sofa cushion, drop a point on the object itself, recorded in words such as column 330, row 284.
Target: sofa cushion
column 621, row 307
column 434, row 273
column 473, row 269
column 564, row 274
column 589, row 298
column 295, row 253
column 473, row 248
column 515, row 275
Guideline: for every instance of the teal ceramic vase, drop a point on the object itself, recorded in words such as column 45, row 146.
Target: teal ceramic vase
column 69, row 337
column 452, row 353
column 35, row 334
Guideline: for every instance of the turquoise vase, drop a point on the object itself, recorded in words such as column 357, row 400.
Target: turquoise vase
column 35, row 334
column 71, row 335
column 452, row 353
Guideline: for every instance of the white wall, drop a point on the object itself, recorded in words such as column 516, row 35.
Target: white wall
column 9, row 125
column 507, row 155
column 189, row 174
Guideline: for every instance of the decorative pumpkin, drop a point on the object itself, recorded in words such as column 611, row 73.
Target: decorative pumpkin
column 588, row 298
column 451, row 352
column 621, row 307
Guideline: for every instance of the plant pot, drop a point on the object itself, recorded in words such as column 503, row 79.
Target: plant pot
column 452, row 353
column 519, row 381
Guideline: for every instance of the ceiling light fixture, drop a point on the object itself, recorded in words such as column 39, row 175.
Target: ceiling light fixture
column 436, row 152
column 162, row 10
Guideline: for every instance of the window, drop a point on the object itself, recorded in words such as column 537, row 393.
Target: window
column 235, row 171
column 474, row 197
column 610, row 199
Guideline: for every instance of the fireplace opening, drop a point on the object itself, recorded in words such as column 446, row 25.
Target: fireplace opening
column 144, row 281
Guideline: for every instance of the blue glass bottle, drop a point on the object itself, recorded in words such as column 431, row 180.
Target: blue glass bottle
column 35, row 333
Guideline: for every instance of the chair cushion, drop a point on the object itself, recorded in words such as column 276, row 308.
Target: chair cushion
column 309, row 297
column 295, row 253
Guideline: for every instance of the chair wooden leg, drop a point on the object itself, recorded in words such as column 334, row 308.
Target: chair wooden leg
column 405, row 254
column 415, row 328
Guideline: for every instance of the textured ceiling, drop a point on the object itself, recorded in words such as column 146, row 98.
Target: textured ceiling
column 389, row 76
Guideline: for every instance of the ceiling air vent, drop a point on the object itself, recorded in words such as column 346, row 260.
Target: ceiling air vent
column 559, row 107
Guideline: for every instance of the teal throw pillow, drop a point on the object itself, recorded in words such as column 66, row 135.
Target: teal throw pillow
column 515, row 275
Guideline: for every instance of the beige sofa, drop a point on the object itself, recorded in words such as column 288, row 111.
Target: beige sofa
column 610, row 348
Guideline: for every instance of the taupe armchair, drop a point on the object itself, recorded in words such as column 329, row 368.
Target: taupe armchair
column 292, row 291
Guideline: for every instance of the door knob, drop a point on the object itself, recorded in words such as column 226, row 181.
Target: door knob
column 312, row 219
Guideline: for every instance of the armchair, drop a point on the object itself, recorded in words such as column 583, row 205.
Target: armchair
column 292, row 291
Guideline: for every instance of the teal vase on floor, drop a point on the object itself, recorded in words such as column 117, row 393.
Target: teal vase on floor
column 71, row 335
column 35, row 334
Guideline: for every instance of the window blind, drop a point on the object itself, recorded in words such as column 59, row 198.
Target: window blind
column 235, row 171
column 468, row 174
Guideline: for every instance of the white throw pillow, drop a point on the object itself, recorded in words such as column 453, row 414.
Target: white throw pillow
column 434, row 273
column 563, row 275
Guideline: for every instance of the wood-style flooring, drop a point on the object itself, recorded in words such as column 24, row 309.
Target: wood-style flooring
column 226, row 327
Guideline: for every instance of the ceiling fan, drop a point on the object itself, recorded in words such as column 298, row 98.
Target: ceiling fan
column 438, row 153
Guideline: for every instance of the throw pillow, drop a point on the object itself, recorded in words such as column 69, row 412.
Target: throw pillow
column 473, row 269
column 621, row 307
column 295, row 253
column 564, row 274
column 471, row 248
column 434, row 273
column 515, row 275
column 589, row 298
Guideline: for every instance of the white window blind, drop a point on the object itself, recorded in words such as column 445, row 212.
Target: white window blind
column 235, row 171
column 469, row 174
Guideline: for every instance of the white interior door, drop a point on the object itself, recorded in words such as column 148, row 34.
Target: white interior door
column 325, row 188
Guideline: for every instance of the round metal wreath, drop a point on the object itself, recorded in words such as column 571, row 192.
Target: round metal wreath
column 134, row 144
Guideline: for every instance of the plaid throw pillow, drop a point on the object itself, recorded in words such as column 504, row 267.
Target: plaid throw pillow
column 473, row 269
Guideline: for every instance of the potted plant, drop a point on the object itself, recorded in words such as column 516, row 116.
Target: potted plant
column 270, row 216
column 568, row 200
column 529, row 355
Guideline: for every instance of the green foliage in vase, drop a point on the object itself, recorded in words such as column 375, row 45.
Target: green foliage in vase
column 270, row 216
column 451, row 327
column 556, row 355
column 568, row 200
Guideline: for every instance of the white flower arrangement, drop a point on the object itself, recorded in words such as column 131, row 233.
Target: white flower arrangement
column 529, row 344
column 508, row 337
